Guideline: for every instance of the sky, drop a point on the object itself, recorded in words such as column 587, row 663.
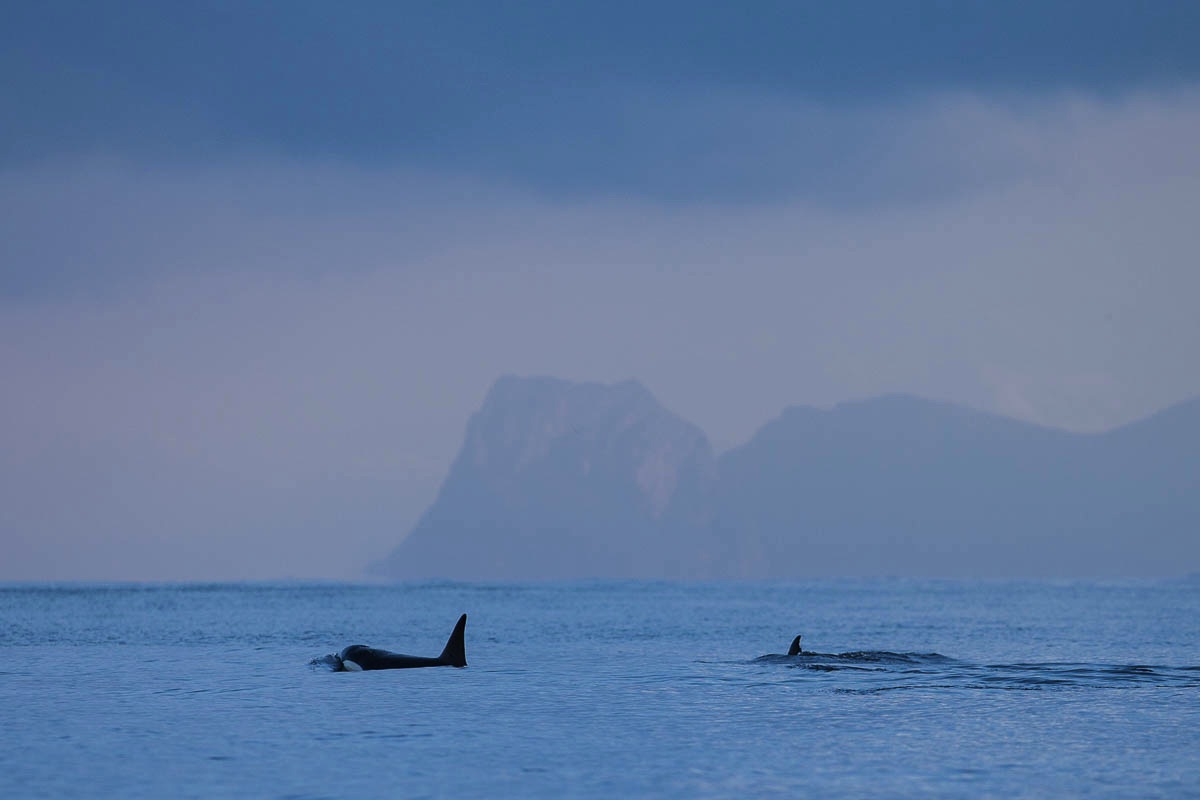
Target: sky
column 259, row 262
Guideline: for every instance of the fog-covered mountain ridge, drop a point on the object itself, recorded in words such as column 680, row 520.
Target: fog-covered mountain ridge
column 557, row 479
column 525, row 421
column 1183, row 412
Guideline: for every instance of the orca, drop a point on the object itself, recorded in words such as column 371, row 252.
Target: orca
column 793, row 650
column 359, row 657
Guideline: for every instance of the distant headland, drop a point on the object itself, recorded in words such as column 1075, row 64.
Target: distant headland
column 561, row 480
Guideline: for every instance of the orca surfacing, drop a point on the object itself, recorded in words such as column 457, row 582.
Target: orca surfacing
column 793, row 650
column 359, row 657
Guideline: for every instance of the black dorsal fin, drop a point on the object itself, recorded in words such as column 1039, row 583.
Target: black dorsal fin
column 794, row 650
column 455, row 652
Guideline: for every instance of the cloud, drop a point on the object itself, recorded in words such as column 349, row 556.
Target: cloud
column 262, row 368
column 665, row 101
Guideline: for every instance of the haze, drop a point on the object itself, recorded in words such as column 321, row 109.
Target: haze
column 259, row 264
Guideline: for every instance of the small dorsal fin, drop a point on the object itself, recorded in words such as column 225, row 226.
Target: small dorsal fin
column 455, row 652
column 794, row 650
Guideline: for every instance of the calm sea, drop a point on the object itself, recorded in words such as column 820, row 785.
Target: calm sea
column 603, row 689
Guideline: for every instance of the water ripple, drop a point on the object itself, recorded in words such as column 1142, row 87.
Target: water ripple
column 933, row 670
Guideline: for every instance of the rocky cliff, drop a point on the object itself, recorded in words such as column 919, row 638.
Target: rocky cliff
column 561, row 480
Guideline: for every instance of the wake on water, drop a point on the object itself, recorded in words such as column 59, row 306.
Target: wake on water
column 329, row 661
column 934, row 670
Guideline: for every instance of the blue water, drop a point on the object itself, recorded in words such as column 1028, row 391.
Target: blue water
column 915, row 689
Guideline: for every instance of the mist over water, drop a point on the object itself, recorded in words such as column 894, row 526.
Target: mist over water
column 905, row 688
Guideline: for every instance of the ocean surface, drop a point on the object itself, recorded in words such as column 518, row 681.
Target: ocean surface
column 604, row 689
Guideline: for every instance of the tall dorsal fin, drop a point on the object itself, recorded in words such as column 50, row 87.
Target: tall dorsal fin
column 455, row 652
column 794, row 650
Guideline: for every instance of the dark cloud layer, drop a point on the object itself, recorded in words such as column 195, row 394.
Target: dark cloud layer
column 619, row 97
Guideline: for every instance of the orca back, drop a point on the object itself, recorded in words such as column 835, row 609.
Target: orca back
column 359, row 657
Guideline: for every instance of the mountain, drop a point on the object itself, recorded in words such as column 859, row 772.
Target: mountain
column 563, row 480
column 898, row 485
